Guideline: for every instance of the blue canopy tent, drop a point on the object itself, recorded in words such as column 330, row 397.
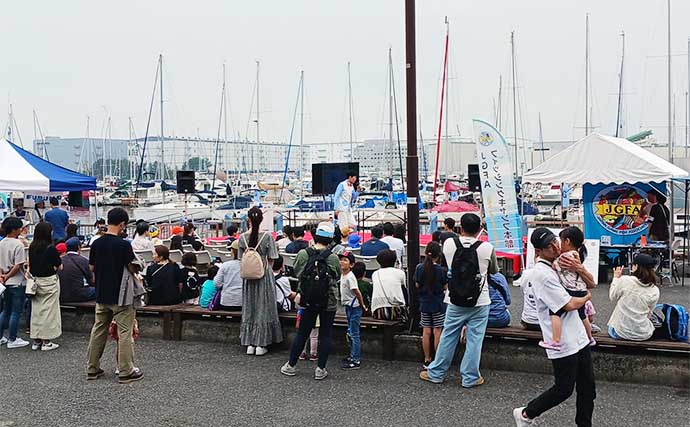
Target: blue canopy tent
column 23, row 171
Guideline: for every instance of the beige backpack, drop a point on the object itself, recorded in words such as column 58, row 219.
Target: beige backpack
column 252, row 265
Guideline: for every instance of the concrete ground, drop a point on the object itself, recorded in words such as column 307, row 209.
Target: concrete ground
column 212, row 384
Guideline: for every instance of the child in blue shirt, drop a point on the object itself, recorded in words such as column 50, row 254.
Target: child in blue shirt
column 208, row 289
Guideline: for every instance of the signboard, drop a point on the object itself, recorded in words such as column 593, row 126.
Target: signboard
column 616, row 212
column 503, row 223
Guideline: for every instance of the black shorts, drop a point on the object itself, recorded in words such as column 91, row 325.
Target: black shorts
column 580, row 311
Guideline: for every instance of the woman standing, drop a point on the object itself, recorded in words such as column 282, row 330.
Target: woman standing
column 260, row 324
column 635, row 297
column 44, row 262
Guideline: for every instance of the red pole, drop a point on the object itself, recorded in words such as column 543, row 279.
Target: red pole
column 440, row 117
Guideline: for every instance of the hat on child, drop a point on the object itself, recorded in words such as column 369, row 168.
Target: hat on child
column 644, row 260
column 153, row 231
column 354, row 241
column 325, row 229
column 177, row 230
column 348, row 255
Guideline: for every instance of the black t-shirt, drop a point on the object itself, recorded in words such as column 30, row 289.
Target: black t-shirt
column 659, row 227
column 176, row 243
column 109, row 256
column 163, row 282
column 44, row 262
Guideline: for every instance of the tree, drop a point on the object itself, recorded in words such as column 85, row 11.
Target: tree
column 197, row 164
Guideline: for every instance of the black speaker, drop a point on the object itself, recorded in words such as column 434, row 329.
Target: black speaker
column 185, row 182
column 325, row 177
column 473, row 179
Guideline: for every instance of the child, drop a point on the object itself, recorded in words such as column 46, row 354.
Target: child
column 208, row 289
column 284, row 294
column 431, row 281
column 576, row 284
column 311, row 346
column 112, row 331
column 351, row 298
column 190, row 279
column 365, row 286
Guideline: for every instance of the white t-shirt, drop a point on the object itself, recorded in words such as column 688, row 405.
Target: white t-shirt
column 395, row 244
column 551, row 295
column 529, row 304
column 348, row 283
column 485, row 253
column 142, row 243
column 12, row 252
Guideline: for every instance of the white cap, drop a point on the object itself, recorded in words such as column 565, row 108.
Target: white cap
column 325, row 229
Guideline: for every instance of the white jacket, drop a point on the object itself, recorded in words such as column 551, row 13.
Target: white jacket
column 634, row 303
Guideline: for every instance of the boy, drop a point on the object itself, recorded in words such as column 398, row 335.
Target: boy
column 12, row 259
column 365, row 286
column 351, row 298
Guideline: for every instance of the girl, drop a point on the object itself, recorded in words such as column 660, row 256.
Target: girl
column 208, row 289
column 431, row 280
column 191, row 282
column 112, row 331
column 576, row 284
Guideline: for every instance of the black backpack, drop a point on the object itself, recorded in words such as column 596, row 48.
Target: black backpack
column 466, row 282
column 315, row 280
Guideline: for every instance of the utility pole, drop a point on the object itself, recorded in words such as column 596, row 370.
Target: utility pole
column 412, row 159
column 515, row 138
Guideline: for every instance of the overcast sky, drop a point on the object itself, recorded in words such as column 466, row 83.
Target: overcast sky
column 72, row 58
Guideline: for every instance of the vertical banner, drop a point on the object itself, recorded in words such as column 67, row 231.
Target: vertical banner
column 498, row 189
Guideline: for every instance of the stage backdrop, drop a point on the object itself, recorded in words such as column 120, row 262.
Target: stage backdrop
column 612, row 210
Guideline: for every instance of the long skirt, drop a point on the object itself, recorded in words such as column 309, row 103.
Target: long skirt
column 46, row 323
column 260, row 323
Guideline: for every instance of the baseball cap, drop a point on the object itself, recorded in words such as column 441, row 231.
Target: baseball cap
column 644, row 260
column 348, row 255
column 72, row 244
column 325, row 229
column 61, row 248
column 542, row 237
column 177, row 229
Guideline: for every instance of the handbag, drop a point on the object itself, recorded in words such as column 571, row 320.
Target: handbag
column 31, row 285
column 2, row 289
column 400, row 313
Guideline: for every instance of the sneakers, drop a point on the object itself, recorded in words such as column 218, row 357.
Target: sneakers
column 479, row 382
column 551, row 345
column 35, row 346
column 350, row 365
column 424, row 375
column 251, row 350
column 17, row 343
column 595, row 329
column 136, row 375
column 520, row 420
column 3, row 340
column 303, row 356
column 425, row 366
column 320, row 374
column 95, row 375
column 288, row 370
column 260, row 351
column 50, row 346
column 313, row 357
column 592, row 342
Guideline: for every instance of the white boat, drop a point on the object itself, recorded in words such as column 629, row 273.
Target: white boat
column 174, row 210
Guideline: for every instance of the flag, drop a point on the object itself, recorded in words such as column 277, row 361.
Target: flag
column 503, row 223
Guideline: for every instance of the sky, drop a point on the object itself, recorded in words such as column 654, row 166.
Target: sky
column 76, row 58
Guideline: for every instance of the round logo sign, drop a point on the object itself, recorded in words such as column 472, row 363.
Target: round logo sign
column 485, row 138
column 617, row 209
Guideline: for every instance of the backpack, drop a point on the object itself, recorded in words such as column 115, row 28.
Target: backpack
column 252, row 264
column 671, row 322
column 315, row 280
column 466, row 282
column 215, row 301
column 191, row 284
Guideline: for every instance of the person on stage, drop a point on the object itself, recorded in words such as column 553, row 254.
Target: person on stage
column 343, row 202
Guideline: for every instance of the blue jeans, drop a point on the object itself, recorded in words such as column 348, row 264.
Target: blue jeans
column 476, row 319
column 12, row 308
column 354, row 315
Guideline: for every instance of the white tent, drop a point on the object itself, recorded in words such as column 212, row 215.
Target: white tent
column 603, row 159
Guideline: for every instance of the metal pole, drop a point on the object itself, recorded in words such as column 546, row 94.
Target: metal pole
column 301, row 135
column 515, row 138
column 587, row 75
column 390, row 113
column 619, row 117
column 258, row 139
column 440, row 116
column 162, row 165
column 670, row 145
column 349, row 91
column 412, row 159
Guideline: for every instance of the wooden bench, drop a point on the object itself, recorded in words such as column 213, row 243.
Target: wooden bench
column 165, row 311
column 603, row 340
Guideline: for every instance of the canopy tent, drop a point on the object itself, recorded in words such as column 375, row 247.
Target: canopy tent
column 603, row 159
column 28, row 173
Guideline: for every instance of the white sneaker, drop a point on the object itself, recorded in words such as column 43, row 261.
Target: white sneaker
column 288, row 370
column 35, row 346
column 520, row 420
column 3, row 340
column 251, row 350
column 50, row 346
column 320, row 374
column 260, row 351
column 17, row 343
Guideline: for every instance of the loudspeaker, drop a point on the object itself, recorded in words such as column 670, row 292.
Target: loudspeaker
column 473, row 179
column 185, row 182
column 325, row 177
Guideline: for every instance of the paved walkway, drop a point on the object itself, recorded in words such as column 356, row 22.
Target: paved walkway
column 211, row 384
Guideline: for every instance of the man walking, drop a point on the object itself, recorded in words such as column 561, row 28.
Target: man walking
column 572, row 364
column 475, row 317
column 109, row 257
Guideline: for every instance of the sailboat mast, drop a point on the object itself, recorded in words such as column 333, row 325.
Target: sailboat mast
column 670, row 112
column 687, row 106
column 500, row 102
column 162, row 165
column 225, row 133
column 541, row 138
column 619, row 118
column 258, row 138
column 515, row 138
column 447, row 85
column 390, row 112
column 349, row 97
column 587, row 123
column 440, row 117
column 301, row 134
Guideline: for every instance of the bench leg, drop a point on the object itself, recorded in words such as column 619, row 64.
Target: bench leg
column 388, row 344
column 176, row 333
column 167, row 326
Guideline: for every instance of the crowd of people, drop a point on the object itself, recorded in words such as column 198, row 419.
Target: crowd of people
column 454, row 307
